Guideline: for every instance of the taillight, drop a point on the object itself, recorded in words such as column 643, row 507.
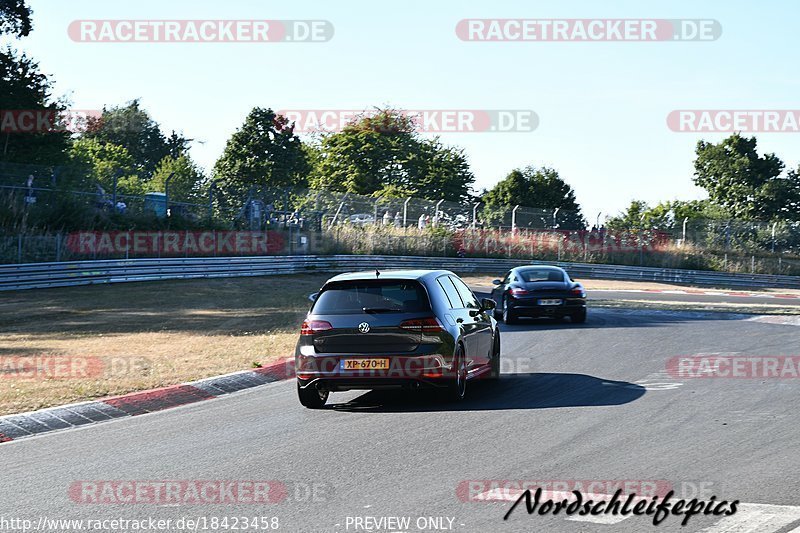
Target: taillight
column 423, row 325
column 519, row 292
column 310, row 327
column 577, row 292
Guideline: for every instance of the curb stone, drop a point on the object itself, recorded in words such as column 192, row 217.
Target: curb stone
column 18, row 426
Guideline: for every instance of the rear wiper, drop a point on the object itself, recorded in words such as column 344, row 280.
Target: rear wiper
column 378, row 310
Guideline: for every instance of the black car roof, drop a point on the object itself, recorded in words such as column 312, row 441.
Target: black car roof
column 419, row 275
column 541, row 267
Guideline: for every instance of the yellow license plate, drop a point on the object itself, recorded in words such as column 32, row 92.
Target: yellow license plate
column 364, row 364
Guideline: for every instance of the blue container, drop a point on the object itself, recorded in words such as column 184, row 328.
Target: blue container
column 156, row 202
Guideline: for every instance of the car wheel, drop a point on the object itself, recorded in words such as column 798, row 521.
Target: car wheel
column 579, row 317
column 312, row 397
column 457, row 389
column 509, row 317
column 495, row 373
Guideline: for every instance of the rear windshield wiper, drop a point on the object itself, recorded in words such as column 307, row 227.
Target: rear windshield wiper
column 379, row 310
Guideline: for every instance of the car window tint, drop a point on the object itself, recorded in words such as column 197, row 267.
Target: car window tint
column 352, row 297
column 466, row 295
column 543, row 274
column 451, row 292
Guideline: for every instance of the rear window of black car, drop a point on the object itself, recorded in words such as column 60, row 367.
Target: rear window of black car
column 355, row 297
column 532, row 274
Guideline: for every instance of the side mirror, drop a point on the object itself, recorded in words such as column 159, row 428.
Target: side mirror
column 496, row 282
column 313, row 296
column 487, row 304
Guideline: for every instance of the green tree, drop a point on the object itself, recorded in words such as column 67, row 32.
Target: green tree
column 263, row 153
column 744, row 183
column 106, row 160
column 382, row 154
column 536, row 187
column 15, row 18
column 187, row 180
column 131, row 127
column 24, row 87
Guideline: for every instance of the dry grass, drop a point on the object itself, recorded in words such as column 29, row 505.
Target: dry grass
column 148, row 334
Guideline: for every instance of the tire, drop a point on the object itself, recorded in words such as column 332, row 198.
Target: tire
column 495, row 363
column 457, row 388
column 509, row 317
column 311, row 397
column 579, row 317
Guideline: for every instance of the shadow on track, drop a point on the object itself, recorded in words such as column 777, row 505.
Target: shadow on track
column 512, row 391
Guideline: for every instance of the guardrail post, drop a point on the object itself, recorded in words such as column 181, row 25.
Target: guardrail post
column 166, row 194
column 773, row 236
column 683, row 239
column 514, row 219
column 211, row 200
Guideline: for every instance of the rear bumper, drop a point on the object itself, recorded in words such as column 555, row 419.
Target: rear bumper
column 325, row 372
column 531, row 308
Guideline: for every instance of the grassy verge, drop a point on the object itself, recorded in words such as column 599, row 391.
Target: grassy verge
column 145, row 335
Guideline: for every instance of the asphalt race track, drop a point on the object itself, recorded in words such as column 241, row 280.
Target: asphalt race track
column 576, row 402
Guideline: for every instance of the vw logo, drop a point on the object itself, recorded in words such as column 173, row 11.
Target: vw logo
column 363, row 327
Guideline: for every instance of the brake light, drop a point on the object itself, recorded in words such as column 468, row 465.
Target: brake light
column 422, row 325
column 577, row 292
column 310, row 327
column 519, row 292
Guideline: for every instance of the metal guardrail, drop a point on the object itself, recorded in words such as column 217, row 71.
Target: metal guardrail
column 64, row 274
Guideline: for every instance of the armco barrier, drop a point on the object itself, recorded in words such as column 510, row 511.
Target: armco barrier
column 44, row 275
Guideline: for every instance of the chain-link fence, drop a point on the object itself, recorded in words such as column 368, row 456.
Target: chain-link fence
column 109, row 225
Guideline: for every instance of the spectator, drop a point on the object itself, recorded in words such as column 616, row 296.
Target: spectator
column 30, row 194
column 387, row 218
column 421, row 223
column 398, row 220
column 121, row 207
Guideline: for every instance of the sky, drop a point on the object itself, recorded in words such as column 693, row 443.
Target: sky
column 602, row 106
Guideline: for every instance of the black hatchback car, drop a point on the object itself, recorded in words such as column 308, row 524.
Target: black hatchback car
column 395, row 329
column 539, row 291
